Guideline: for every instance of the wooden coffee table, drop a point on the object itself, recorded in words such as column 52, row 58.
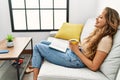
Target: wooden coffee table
column 20, row 44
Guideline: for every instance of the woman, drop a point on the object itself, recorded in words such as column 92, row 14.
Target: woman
column 92, row 51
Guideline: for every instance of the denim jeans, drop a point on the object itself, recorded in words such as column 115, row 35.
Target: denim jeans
column 42, row 51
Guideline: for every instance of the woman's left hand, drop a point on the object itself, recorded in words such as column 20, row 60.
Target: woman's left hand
column 74, row 47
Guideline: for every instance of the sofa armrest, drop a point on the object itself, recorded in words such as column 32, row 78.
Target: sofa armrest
column 52, row 33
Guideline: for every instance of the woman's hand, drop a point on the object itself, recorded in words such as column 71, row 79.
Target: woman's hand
column 74, row 47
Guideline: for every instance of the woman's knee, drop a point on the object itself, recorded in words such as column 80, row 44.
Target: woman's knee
column 45, row 42
column 38, row 45
column 41, row 44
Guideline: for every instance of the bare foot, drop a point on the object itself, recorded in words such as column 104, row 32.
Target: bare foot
column 29, row 70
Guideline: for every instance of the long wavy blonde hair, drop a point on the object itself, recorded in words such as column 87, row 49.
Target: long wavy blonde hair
column 112, row 20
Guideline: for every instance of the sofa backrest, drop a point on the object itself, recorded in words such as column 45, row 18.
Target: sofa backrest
column 88, row 28
column 111, row 64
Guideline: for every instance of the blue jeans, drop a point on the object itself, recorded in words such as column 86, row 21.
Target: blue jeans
column 42, row 51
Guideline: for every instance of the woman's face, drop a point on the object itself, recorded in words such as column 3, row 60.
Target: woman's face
column 100, row 20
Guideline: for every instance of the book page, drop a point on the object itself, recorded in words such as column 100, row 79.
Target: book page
column 60, row 45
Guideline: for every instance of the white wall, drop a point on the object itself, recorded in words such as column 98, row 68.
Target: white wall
column 79, row 10
column 109, row 3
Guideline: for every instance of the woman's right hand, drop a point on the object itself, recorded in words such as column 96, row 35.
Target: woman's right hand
column 74, row 46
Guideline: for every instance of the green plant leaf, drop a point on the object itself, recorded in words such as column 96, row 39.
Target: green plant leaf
column 9, row 38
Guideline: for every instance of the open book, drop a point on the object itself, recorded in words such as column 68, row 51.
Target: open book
column 60, row 45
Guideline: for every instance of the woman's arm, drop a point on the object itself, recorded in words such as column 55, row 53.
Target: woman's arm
column 91, row 64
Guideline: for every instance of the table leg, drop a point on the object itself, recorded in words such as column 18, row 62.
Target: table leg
column 31, row 46
column 17, row 67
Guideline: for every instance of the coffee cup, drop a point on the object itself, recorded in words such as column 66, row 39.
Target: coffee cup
column 74, row 41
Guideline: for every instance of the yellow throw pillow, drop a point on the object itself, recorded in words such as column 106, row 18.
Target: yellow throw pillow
column 70, row 31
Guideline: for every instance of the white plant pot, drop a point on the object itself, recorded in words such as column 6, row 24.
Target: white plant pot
column 10, row 44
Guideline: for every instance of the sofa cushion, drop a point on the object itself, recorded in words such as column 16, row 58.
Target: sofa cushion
column 111, row 64
column 51, row 71
column 88, row 28
column 69, row 31
column 118, row 75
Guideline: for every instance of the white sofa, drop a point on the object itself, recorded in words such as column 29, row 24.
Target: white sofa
column 108, row 70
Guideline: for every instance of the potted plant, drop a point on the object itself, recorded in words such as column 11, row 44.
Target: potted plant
column 9, row 39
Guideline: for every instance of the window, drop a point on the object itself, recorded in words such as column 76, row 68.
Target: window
column 38, row 15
